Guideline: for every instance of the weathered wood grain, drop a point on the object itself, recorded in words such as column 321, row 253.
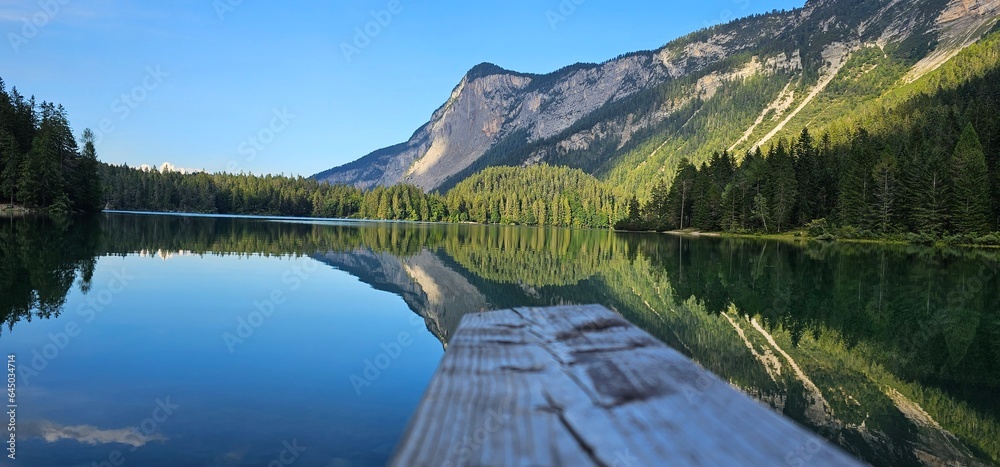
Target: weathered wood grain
column 581, row 386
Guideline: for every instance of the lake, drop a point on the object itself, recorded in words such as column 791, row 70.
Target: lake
column 196, row 340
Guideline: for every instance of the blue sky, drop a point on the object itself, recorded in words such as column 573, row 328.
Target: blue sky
column 268, row 87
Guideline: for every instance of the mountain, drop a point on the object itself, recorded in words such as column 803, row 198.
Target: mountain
column 735, row 86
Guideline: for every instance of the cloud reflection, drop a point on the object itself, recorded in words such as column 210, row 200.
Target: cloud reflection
column 87, row 434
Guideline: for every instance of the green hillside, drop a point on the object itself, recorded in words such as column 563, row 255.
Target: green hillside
column 919, row 157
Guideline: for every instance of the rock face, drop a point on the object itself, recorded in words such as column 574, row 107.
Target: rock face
column 490, row 103
column 959, row 25
column 494, row 115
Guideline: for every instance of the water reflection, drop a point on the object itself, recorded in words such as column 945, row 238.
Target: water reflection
column 890, row 351
column 39, row 261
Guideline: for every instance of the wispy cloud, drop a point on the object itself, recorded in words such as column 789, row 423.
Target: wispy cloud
column 87, row 434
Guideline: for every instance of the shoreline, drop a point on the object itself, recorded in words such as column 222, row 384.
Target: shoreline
column 791, row 237
column 799, row 237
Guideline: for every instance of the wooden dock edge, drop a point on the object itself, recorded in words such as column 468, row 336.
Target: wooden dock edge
column 580, row 385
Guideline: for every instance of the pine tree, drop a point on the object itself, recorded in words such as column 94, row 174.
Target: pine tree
column 827, row 193
column 384, row 210
column 855, row 185
column 782, row 186
column 633, row 216
column 89, row 190
column 884, row 192
column 700, row 210
column 655, row 213
column 680, row 199
column 10, row 163
column 970, row 201
column 808, row 172
column 31, row 187
column 923, row 185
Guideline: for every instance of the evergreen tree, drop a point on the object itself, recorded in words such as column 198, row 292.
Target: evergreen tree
column 40, row 180
column 970, row 202
column 884, row 193
column 10, row 163
column 680, row 199
column 89, row 182
column 701, row 211
column 656, row 212
column 827, row 194
column 633, row 216
column 809, row 173
column 756, row 168
column 782, row 186
column 855, row 185
column 924, row 185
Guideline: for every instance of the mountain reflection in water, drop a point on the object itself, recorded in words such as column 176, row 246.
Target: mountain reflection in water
column 891, row 351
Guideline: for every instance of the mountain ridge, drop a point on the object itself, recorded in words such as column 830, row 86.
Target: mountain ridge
column 598, row 117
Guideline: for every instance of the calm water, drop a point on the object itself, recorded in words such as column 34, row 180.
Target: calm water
column 172, row 340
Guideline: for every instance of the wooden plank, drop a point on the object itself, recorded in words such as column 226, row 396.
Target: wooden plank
column 580, row 385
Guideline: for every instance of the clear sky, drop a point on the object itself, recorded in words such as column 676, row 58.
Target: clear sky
column 292, row 87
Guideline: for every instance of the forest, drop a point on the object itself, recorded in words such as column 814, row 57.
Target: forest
column 41, row 164
column 864, row 190
column 923, row 170
column 541, row 195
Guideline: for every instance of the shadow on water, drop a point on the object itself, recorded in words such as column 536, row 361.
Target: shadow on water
column 889, row 351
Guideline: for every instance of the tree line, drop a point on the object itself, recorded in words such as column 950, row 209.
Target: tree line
column 540, row 195
column 865, row 189
column 41, row 164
